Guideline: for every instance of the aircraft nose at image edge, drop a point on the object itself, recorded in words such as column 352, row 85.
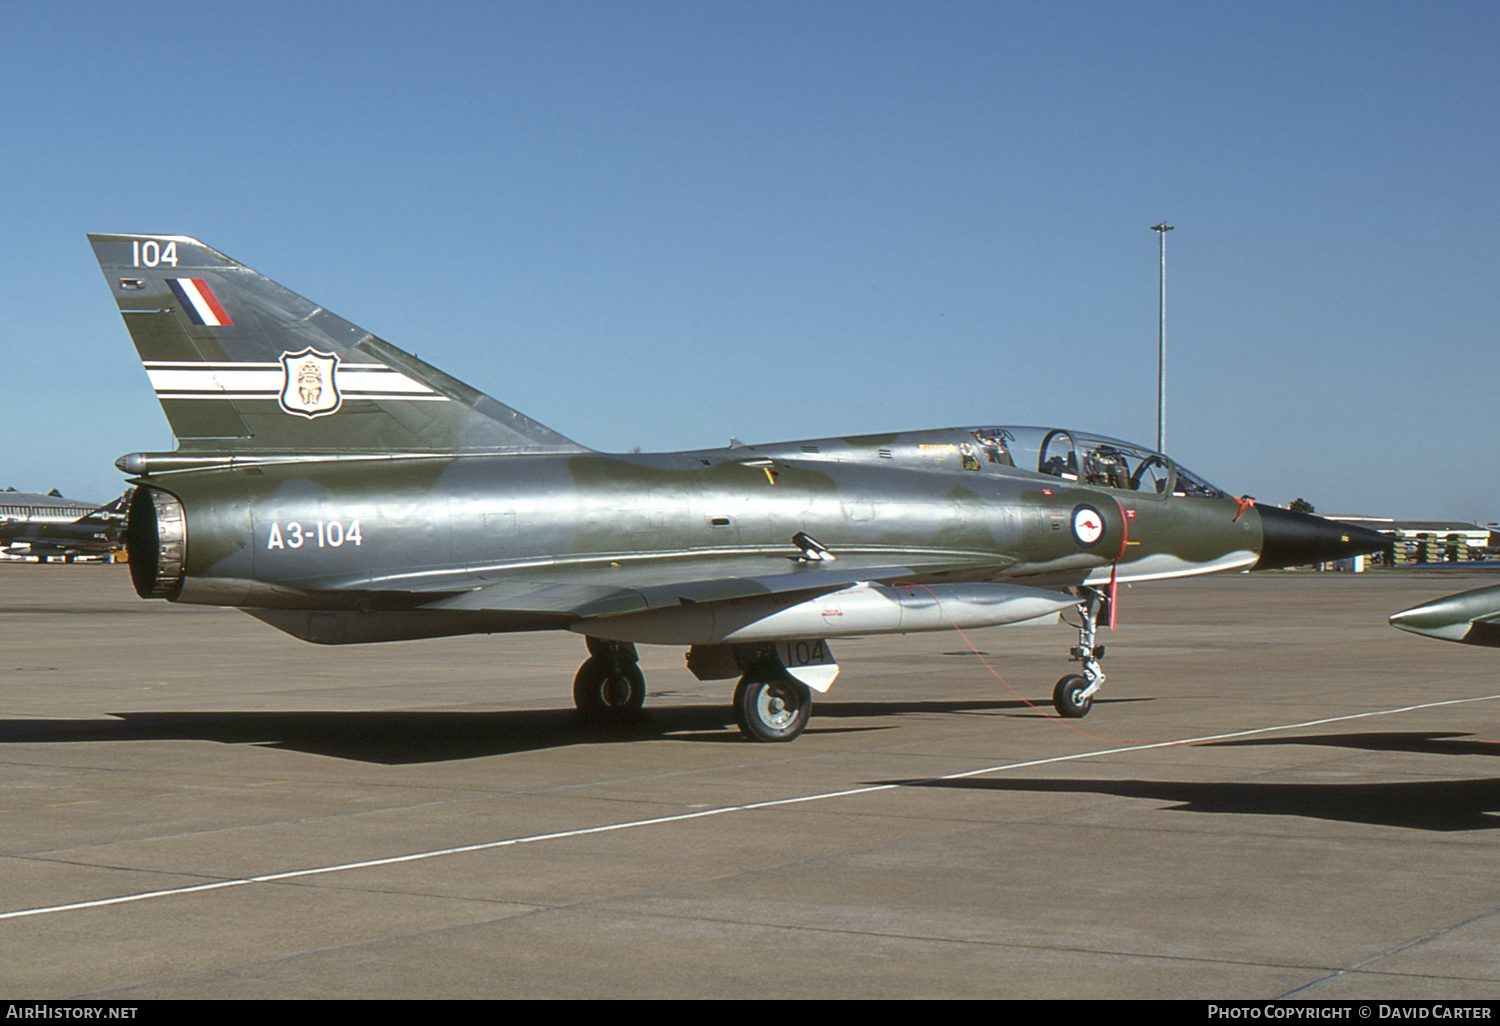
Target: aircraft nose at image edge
column 1290, row 538
column 1468, row 617
column 1439, row 618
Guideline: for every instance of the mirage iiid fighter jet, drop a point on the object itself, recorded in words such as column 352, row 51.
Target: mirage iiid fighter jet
column 45, row 526
column 342, row 490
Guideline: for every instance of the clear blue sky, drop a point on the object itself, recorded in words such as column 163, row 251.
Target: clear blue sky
column 663, row 224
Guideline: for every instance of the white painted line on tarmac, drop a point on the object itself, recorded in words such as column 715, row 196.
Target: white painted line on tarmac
column 684, row 817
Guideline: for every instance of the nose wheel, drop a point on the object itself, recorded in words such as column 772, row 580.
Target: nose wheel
column 1072, row 697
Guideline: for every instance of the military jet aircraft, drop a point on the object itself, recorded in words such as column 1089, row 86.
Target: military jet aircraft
column 1470, row 617
column 45, row 526
column 343, row 490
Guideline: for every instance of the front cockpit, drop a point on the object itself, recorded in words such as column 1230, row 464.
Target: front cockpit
column 1053, row 452
column 1110, row 463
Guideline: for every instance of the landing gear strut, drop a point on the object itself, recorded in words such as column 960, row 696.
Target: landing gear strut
column 1074, row 694
column 609, row 683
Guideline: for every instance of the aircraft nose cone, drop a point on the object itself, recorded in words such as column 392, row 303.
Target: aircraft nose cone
column 1467, row 617
column 1430, row 618
column 1297, row 539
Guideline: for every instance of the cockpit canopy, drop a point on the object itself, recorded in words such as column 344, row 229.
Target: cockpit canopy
column 1056, row 452
column 1091, row 459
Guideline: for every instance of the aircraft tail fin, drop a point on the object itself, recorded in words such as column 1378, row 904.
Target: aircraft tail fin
column 240, row 363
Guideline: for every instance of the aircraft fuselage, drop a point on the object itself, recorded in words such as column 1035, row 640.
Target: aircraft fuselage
column 402, row 532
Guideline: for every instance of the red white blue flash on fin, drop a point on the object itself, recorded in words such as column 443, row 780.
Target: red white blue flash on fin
column 199, row 301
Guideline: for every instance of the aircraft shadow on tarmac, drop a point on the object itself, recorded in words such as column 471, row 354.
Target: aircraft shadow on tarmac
column 409, row 737
column 1411, row 742
column 1437, row 805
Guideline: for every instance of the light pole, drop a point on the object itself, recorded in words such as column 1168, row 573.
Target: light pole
column 1161, row 343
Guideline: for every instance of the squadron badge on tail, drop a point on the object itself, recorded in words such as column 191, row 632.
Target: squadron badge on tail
column 309, row 385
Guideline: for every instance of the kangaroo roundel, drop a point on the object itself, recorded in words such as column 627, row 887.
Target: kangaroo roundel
column 1088, row 525
column 309, row 383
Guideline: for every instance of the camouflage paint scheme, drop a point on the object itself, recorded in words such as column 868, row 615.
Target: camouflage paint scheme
column 342, row 490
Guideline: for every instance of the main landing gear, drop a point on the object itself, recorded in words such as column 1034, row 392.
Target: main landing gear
column 1074, row 694
column 769, row 703
column 609, row 683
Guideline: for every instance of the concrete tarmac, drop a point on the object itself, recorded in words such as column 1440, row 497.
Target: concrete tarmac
column 1276, row 794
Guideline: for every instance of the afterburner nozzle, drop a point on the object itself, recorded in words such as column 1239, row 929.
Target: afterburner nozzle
column 1298, row 539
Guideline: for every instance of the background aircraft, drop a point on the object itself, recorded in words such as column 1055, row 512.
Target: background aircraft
column 342, row 490
column 45, row 526
column 1470, row 617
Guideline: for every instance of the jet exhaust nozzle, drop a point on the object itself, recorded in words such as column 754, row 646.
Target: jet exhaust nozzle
column 155, row 534
column 1289, row 538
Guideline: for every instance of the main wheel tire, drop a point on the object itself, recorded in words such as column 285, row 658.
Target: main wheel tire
column 771, row 706
column 601, row 690
column 1067, row 697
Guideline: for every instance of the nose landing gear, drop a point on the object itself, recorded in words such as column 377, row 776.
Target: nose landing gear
column 1074, row 694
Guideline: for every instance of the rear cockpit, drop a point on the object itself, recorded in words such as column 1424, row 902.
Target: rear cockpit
column 1054, row 452
column 1111, row 463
